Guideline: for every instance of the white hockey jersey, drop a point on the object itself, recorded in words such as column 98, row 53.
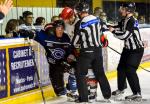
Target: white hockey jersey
column 70, row 28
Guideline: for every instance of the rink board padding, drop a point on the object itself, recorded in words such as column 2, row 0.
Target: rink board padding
column 18, row 73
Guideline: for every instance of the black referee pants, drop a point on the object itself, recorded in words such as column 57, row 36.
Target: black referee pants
column 128, row 64
column 91, row 58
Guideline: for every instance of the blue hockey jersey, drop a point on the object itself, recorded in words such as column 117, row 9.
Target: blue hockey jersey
column 57, row 49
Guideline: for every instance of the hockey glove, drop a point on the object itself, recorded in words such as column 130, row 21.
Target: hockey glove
column 104, row 41
column 76, row 52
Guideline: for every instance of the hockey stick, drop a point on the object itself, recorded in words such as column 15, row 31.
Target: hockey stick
column 38, row 76
column 120, row 54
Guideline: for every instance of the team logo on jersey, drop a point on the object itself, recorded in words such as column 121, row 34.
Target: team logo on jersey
column 58, row 53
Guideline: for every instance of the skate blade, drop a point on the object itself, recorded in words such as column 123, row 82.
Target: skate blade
column 136, row 100
column 131, row 100
column 69, row 99
column 117, row 97
column 103, row 101
column 92, row 101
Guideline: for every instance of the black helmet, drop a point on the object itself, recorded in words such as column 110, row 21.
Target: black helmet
column 58, row 23
column 82, row 7
column 129, row 6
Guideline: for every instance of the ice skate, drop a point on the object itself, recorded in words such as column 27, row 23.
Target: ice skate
column 104, row 100
column 117, row 93
column 134, row 97
column 71, row 97
column 78, row 101
column 92, row 99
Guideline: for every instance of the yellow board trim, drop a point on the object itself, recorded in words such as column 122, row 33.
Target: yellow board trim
column 13, row 46
column 34, row 3
column 97, row 3
column 8, row 72
column 30, row 97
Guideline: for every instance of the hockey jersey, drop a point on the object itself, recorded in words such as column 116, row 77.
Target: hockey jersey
column 70, row 28
column 57, row 49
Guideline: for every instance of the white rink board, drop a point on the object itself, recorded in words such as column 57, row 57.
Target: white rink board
column 113, row 57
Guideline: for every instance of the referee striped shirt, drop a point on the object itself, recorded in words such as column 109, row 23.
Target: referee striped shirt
column 128, row 30
column 87, row 32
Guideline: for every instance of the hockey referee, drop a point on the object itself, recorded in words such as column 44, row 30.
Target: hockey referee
column 132, row 53
column 88, row 34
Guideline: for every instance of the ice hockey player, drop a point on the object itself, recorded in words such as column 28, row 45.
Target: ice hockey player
column 71, row 86
column 57, row 46
column 132, row 53
column 70, row 20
